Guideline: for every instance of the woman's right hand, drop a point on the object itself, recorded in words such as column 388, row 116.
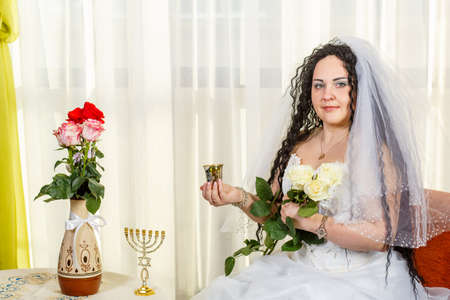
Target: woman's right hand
column 218, row 194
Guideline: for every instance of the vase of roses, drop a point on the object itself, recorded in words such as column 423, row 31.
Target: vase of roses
column 79, row 264
column 309, row 188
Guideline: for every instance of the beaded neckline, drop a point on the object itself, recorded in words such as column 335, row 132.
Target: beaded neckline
column 299, row 160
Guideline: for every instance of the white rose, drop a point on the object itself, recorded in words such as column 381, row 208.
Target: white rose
column 300, row 175
column 317, row 190
column 331, row 173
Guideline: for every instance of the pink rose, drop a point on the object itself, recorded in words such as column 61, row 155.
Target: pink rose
column 92, row 129
column 68, row 134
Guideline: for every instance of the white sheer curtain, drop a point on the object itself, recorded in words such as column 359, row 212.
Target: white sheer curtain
column 184, row 83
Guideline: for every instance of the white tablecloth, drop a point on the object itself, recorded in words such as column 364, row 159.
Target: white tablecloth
column 31, row 284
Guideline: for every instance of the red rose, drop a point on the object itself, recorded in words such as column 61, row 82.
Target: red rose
column 76, row 116
column 92, row 112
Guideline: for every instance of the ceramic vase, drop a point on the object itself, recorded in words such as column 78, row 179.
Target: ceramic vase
column 80, row 263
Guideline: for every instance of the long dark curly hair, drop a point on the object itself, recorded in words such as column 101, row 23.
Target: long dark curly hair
column 304, row 121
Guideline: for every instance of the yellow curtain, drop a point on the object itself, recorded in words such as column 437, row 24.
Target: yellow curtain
column 13, row 226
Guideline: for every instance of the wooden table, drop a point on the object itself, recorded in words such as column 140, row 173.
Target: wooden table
column 43, row 284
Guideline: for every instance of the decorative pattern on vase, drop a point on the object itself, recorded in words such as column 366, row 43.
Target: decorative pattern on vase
column 86, row 245
column 97, row 258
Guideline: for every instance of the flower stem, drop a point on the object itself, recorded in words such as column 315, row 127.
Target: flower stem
column 70, row 158
column 273, row 247
column 94, row 148
column 86, row 149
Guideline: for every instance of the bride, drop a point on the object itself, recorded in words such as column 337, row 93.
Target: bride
column 351, row 110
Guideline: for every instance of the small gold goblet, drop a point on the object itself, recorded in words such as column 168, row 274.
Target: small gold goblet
column 213, row 172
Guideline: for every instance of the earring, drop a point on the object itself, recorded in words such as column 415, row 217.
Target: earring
column 318, row 122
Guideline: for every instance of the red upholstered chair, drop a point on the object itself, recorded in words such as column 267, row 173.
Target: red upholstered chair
column 433, row 261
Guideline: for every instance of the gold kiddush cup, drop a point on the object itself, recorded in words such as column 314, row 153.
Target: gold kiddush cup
column 142, row 244
column 213, row 172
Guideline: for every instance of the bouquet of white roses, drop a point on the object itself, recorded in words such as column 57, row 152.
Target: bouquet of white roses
column 309, row 188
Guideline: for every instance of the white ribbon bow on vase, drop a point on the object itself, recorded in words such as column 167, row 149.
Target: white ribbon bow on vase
column 75, row 222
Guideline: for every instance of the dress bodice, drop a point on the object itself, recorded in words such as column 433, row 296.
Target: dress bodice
column 327, row 256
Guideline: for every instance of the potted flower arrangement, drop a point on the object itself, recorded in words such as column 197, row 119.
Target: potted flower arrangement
column 309, row 188
column 79, row 264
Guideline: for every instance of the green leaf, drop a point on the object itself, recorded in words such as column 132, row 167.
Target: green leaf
column 100, row 166
column 296, row 240
column 60, row 188
column 255, row 247
column 246, row 251
column 291, row 194
column 310, row 238
column 58, row 163
column 260, row 208
column 291, row 246
column 92, row 203
column 60, row 177
column 96, row 188
column 263, row 189
column 49, row 200
column 268, row 241
column 57, row 192
column 251, row 246
column 98, row 153
column 43, row 191
column 229, row 265
column 236, row 253
column 77, row 182
column 276, row 230
column 69, row 192
column 252, row 243
column 296, row 196
column 92, row 171
column 308, row 210
column 290, row 225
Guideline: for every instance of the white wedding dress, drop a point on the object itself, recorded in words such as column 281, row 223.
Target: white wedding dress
column 321, row 272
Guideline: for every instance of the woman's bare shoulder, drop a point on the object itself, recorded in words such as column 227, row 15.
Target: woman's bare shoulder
column 306, row 145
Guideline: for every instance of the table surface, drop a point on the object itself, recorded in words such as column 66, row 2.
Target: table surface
column 43, row 284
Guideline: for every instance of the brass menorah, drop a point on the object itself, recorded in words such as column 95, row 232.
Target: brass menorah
column 142, row 243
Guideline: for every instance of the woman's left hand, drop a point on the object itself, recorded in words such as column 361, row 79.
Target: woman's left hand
column 290, row 210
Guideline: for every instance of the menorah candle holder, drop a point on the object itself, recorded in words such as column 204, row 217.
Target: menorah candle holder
column 213, row 172
column 144, row 243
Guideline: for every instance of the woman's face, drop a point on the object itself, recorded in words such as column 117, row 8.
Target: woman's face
column 330, row 92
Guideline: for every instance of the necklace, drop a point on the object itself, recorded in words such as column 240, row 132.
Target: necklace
column 322, row 153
